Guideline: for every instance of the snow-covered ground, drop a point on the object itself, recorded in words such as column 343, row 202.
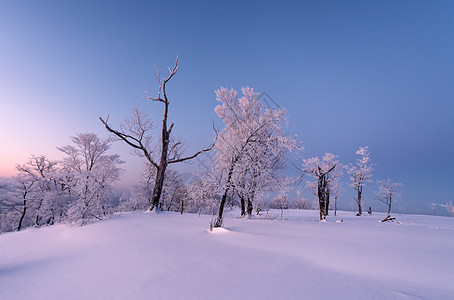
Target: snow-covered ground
column 170, row 256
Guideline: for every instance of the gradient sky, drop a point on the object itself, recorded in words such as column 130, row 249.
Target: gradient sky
column 349, row 73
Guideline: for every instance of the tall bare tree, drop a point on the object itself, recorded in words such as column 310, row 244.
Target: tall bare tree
column 135, row 134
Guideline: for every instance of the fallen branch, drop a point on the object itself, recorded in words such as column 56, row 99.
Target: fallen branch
column 388, row 218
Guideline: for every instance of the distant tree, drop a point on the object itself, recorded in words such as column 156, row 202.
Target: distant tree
column 301, row 202
column 5, row 188
column 136, row 133
column 386, row 193
column 140, row 196
column 326, row 173
column 449, row 206
column 360, row 174
column 264, row 205
column 281, row 202
column 336, row 189
column 250, row 146
column 89, row 174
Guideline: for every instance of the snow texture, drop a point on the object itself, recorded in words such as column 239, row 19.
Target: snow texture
column 173, row 256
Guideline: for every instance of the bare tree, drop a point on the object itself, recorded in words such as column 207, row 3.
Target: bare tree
column 135, row 134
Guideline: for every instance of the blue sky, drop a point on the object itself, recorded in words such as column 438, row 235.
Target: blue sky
column 349, row 73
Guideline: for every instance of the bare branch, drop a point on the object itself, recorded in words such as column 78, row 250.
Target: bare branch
column 199, row 152
column 172, row 72
column 131, row 141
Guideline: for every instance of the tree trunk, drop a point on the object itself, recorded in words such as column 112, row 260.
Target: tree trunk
column 389, row 206
column 157, row 189
column 327, row 202
column 37, row 212
column 335, row 206
column 321, row 196
column 218, row 222
column 22, row 216
column 243, row 206
column 249, row 207
column 358, row 200
column 160, row 172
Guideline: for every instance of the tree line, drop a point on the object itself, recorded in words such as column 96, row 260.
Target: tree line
column 249, row 161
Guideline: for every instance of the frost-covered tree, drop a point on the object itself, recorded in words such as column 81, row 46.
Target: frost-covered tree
column 360, row 174
column 140, row 196
column 21, row 202
column 301, row 202
column 174, row 192
column 251, row 144
column 336, row 190
column 44, row 173
column 29, row 195
column 259, row 172
column 449, row 206
column 386, row 193
column 89, row 174
column 141, row 193
column 204, row 193
column 281, row 202
column 326, row 173
column 35, row 196
column 136, row 132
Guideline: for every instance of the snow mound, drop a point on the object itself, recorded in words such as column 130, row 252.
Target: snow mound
column 217, row 230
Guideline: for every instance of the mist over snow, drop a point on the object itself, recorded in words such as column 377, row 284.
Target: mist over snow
column 173, row 256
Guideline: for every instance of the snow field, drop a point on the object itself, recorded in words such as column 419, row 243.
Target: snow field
column 172, row 256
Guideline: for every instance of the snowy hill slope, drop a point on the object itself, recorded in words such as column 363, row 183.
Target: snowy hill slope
column 169, row 256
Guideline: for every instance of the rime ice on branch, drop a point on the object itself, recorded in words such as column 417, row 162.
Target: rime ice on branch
column 386, row 193
column 360, row 174
column 327, row 173
column 252, row 148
